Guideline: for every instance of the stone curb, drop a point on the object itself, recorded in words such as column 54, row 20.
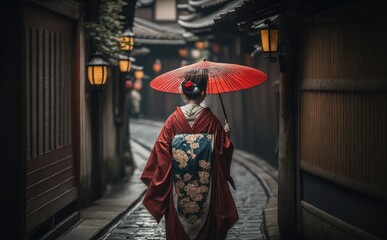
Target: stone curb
column 117, row 201
column 268, row 176
column 116, row 219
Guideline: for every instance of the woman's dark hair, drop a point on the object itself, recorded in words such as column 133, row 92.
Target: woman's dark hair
column 194, row 83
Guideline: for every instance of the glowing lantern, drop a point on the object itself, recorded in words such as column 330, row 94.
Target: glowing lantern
column 126, row 41
column 97, row 70
column 157, row 66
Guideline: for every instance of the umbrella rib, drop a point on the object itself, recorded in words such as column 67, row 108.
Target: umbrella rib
column 226, row 80
column 217, row 87
column 233, row 85
column 220, row 78
column 241, row 77
column 250, row 78
column 164, row 85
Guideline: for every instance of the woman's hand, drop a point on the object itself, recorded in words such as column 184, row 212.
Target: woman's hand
column 227, row 129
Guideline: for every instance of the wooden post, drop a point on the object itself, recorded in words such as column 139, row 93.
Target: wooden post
column 97, row 172
column 287, row 161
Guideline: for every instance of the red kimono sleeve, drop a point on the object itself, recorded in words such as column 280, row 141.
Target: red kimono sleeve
column 225, row 213
column 156, row 174
column 226, row 150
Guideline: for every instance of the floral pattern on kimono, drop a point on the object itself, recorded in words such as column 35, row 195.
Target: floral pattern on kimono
column 192, row 162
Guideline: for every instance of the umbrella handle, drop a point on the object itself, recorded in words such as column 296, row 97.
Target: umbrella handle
column 224, row 111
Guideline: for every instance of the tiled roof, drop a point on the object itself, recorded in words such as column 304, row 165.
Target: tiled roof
column 204, row 20
column 207, row 3
column 141, row 51
column 261, row 23
column 187, row 7
column 150, row 33
column 249, row 12
column 144, row 3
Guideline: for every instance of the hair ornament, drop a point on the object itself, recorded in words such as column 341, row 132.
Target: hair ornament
column 196, row 90
column 188, row 85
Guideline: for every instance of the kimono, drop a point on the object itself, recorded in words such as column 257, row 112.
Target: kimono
column 187, row 174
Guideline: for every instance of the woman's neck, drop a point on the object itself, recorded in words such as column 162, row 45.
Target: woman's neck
column 193, row 102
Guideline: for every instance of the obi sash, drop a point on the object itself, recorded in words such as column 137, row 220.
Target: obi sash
column 192, row 169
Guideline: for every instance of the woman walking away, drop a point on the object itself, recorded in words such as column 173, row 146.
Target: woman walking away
column 188, row 170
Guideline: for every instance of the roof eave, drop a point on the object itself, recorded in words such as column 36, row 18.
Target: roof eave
column 147, row 41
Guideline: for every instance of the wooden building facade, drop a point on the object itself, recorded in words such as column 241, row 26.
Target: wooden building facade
column 51, row 128
column 41, row 179
column 332, row 118
column 343, row 124
column 53, row 160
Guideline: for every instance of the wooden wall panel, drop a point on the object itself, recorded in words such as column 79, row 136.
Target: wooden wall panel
column 354, row 49
column 50, row 167
column 50, row 208
column 43, row 198
column 69, row 94
column 33, row 97
column 28, row 105
column 46, row 94
column 57, row 90
column 52, row 89
column 49, row 183
column 40, row 92
column 343, row 102
column 346, row 133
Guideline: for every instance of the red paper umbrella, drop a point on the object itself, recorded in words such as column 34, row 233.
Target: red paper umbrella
column 222, row 78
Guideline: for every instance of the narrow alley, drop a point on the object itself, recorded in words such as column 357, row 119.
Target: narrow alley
column 250, row 199
column 300, row 88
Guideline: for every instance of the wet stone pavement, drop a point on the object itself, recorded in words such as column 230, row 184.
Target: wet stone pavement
column 250, row 198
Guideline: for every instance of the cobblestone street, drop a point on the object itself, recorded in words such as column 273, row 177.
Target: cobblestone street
column 250, row 198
